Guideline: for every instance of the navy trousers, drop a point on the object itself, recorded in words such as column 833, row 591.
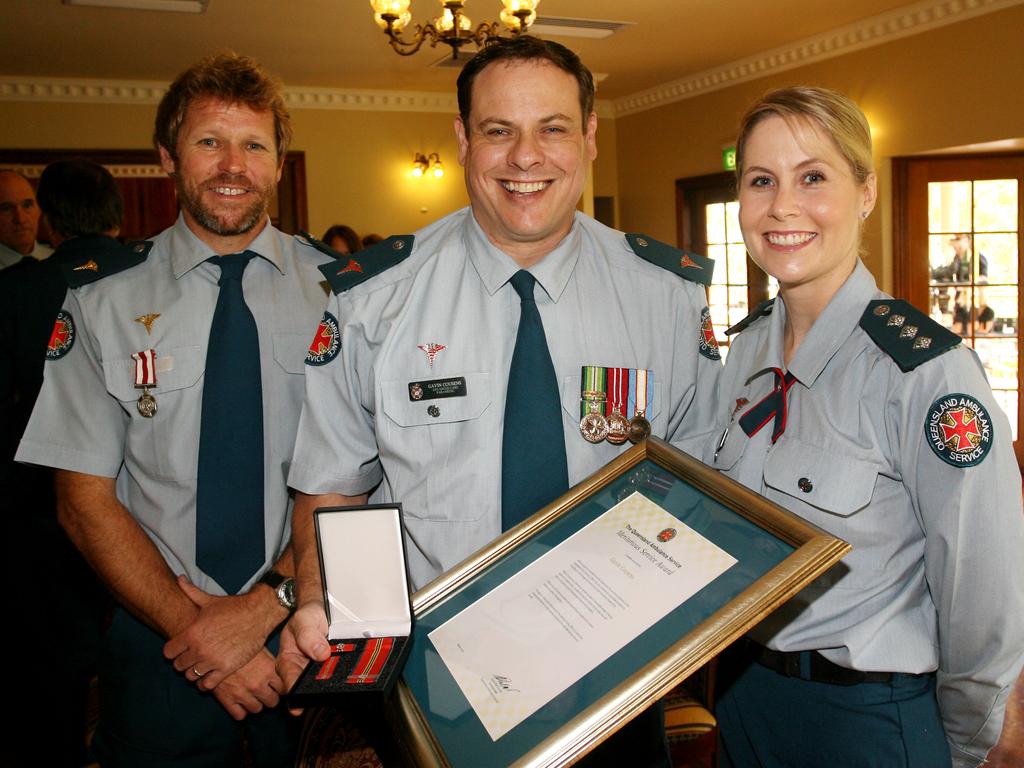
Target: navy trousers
column 768, row 720
column 151, row 716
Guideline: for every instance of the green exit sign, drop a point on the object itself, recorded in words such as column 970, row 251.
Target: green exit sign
column 729, row 159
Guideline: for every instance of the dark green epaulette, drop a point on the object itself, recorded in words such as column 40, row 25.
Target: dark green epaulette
column 105, row 262
column 349, row 271
column 686, row 264
column 320, row 245
column 905, row 333
column 764, row 308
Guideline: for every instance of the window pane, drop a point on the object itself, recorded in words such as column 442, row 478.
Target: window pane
column 946, row 266
column 714, row 217
column 738, row 264
column 718, row 253
column 999, row 356
column 949, row 206
column 1007, row 400
column 943, row 300
column 995, row 310
column 732, row 222
column 995, row 205
column 999, row 264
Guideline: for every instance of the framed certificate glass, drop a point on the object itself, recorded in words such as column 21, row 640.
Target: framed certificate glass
column 538, row 647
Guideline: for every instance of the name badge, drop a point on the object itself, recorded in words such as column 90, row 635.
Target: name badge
column 437, row 388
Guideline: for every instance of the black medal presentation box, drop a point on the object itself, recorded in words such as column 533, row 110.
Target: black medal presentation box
column 366, row 597
column 541, row 645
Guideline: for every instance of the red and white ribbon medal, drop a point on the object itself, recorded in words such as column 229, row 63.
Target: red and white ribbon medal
column 641, row 392
column 618, row 395
column 145, row 377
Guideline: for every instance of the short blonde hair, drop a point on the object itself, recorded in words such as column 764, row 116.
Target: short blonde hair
column 836, row 115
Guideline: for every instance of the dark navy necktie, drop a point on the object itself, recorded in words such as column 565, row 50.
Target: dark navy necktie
column 229, row 494
column 772, row 406
column 534, row 470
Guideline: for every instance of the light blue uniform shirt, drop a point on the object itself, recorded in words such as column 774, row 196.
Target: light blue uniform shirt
column 600, row 305
column 935, row 580
column 86, row 419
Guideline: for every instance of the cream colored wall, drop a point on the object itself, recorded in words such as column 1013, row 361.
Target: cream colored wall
column 357, row 163
column 605, row 170
column 953, row 86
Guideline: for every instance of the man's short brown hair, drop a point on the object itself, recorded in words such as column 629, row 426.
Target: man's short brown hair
column 226, row 77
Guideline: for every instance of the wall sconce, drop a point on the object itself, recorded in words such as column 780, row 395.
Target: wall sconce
column 422, row 165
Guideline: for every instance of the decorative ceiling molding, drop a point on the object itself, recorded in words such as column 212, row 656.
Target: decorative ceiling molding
column 118, row 171
column 13, row 88
column 876, row 30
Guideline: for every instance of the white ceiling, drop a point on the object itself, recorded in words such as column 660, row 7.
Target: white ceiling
column 335, row 44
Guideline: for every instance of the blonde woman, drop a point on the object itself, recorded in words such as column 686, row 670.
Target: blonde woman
column 861, row 415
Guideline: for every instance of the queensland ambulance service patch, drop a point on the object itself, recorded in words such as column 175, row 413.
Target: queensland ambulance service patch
column 326, row 342
column 707, row 343
column 959, row 430
column 62, row 338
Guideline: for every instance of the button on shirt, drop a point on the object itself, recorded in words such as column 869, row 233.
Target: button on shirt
column 935, row 579
column 86, row 419
column 600, row 305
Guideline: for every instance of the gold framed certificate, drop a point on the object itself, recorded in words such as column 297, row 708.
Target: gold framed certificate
column 538, row 647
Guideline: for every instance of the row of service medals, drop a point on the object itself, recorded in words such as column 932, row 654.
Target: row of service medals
column 145, row 377
column 606, row 395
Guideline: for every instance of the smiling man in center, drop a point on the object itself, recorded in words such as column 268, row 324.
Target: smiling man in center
column 452, row 368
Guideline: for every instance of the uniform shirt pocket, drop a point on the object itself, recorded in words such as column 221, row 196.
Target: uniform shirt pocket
column 290, row 351
column 826, row 480
column 160, row 444
column 432, row 446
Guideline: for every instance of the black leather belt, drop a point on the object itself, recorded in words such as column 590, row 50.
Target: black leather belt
column 811, row 665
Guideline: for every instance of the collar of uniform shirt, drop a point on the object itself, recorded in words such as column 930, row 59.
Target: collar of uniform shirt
column 830, row 331
column 188, row 251
column 495, row 267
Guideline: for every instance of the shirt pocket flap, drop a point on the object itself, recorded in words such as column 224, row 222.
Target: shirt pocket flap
column 406, row 412
column 175, row 369
column 290, row 351
column 830, row 481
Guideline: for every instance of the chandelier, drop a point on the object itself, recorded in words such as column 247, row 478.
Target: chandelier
column 452, row 27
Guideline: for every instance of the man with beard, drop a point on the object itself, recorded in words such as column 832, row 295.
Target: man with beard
column 170, row 401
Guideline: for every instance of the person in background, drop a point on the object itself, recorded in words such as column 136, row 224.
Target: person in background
column 169, row 404
column 860, row 414
column 83, row 208
column 19, row 220
column 342, row 239
column 371, row 239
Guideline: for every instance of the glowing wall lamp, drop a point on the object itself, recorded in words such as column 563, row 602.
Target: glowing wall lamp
column 427, row 164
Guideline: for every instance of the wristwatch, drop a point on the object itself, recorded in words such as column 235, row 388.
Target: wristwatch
column 283, row 586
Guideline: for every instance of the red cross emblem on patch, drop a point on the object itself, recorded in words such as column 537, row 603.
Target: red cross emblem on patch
column 959, row 430
column 62, row 337
column 352, row 266
column 686, row 261
column 708, row 344
column 326, row 342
